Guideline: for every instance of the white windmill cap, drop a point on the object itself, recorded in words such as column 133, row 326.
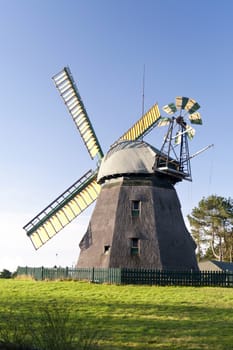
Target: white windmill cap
column 127, row 157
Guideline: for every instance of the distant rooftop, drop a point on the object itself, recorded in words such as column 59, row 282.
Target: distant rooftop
column 214, row 265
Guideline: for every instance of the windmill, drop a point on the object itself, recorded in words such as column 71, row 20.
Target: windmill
column 137, row 220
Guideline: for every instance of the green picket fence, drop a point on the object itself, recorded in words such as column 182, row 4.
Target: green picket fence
column 97, row 275
column 178, row 278
column 131, row 276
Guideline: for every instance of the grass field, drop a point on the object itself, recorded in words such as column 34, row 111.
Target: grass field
column 119, row 317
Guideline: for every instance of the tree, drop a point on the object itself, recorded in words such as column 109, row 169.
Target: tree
column 5, row 274
column 212, row 227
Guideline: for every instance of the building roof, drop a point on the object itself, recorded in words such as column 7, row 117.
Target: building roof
column 128, row 157
column 214, row 265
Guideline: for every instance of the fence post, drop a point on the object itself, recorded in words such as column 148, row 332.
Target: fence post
column 42, row 273
column 93, row 274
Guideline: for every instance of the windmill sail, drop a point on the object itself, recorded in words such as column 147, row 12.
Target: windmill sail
column 63, row 209
column 164, row 121
column 192, row 106
column 71, row 97
column 181, row 102
column 195, row 118
column 189, row 104
column 143, row 125
column 170, row 109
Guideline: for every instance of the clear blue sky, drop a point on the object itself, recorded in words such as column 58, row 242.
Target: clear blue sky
column 187, row 49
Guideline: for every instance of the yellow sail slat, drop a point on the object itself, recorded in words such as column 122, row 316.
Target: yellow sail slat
column 72, row 103
column 69, row 212
column 49, row 228
column 84, row 127
column 142, row 125
column 56, row 223
column 87, row 197
column 62, row 217
column 35, row 238
column 81, row 202
column 76, row 113
column 93, row 190
column 79, row 116
column 88, row 134
column 43, row 234
column 74, row 206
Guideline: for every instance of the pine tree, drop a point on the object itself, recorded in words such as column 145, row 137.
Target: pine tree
column 212, row 227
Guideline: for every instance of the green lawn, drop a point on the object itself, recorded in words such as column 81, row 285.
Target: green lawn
column 122, row 317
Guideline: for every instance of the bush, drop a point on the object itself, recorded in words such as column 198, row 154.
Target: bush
column 5, row 274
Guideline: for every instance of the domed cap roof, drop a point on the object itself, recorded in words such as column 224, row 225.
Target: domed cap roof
column 127, row 157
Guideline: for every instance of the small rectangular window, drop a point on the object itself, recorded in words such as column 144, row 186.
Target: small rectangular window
column 106, row 249
column 135, row 208
column 134, row 246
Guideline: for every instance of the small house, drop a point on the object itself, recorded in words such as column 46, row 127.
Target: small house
column 214, row 265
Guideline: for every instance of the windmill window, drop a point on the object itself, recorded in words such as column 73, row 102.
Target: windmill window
column 106, row 249
column 135, row 208
column 134, row 246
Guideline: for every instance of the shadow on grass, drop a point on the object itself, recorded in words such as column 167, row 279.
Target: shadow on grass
column 117, row 326
column 48, row 328
column 177, row 327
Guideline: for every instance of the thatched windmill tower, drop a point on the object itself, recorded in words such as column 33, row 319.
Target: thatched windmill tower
column 137, row 220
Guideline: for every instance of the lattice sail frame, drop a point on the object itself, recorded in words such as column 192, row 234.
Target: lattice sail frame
column 69, row 93
column 143, row 125
column 63, row 209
